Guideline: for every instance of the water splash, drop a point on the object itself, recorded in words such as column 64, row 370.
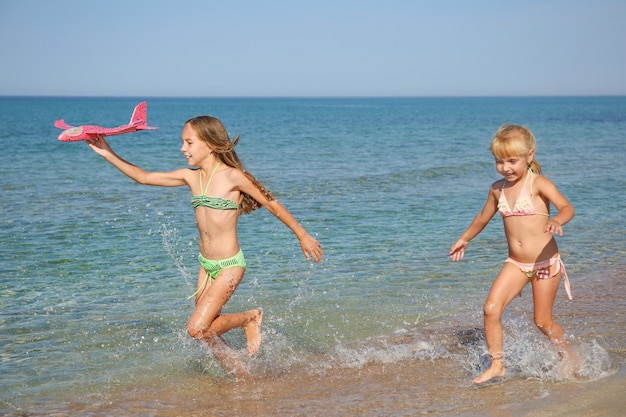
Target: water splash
column 529, row 354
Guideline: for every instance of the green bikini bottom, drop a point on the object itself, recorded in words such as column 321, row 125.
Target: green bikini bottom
column 213, row 268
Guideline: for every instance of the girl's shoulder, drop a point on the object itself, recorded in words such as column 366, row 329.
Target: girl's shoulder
column 234, row 176
column 232, row 172
column 540, row 181
column 187, row 173
column 497, row 185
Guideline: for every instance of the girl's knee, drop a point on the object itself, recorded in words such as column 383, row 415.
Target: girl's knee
column 491, row 310
column 198, row 331
column 193, row 331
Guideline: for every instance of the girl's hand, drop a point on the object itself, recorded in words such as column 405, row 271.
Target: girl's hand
column 458, row 250
column 311, row 248
column 100, row 146
column 554, row 227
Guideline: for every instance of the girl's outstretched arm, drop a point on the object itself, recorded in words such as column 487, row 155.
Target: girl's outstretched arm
column 457, row 251
column 164, row 179
column 310, row 246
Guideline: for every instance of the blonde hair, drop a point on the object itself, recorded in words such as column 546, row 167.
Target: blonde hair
column 213, row 133
column 515, row 140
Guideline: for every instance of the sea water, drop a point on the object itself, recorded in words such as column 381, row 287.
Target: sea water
column 95, row 270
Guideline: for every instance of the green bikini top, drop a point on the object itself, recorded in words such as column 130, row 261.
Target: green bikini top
column 217, row 203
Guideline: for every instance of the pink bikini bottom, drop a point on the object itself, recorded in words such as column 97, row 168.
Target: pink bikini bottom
column 542, row 269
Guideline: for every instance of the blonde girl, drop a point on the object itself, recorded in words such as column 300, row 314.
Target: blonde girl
column 523, row 197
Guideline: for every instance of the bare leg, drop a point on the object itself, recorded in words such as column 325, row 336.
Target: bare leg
column 227, row 357
column 544, row 294
column 207, row 324
column 249, row 320
column 508, row 284
column 253, row 332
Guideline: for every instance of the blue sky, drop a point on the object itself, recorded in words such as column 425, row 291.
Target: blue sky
column 312, row 48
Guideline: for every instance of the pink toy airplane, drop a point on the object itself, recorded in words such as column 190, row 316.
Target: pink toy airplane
column 138, row 121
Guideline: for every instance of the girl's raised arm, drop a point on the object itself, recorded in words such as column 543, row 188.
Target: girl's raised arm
column 164, row 179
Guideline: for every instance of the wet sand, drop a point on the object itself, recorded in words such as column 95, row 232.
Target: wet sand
column 600, row 398
column 399, row 389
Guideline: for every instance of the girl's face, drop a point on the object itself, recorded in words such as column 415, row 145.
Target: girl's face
column 513, row 168
column 195, row 149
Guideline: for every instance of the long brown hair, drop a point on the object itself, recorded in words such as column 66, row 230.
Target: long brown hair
column 212, row 131
column 515, row 140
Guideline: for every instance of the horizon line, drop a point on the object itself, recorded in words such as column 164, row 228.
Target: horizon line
column 306, row 96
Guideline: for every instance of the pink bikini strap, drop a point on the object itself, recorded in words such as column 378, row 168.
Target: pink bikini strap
column 560, row 265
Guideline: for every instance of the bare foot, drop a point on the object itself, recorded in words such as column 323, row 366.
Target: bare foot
column 227, row 357
column 496, row 370
column 253, row 332
column 235, row 367
column 568, row 366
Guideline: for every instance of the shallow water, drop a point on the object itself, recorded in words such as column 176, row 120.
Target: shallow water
column 95, row 270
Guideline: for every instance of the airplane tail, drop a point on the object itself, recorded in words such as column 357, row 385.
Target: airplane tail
column 139, row 119
column 62, row 125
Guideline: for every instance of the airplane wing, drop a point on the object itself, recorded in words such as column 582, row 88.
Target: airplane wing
column 105, row 131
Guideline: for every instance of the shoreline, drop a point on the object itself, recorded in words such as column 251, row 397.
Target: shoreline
column 406, row 388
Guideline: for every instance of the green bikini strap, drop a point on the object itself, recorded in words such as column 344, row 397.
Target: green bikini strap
column 210, row 179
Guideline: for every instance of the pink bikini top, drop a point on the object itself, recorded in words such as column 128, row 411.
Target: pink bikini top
column 523, row 206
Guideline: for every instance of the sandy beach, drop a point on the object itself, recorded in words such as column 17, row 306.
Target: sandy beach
column 400, row 389
column 597, row 398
